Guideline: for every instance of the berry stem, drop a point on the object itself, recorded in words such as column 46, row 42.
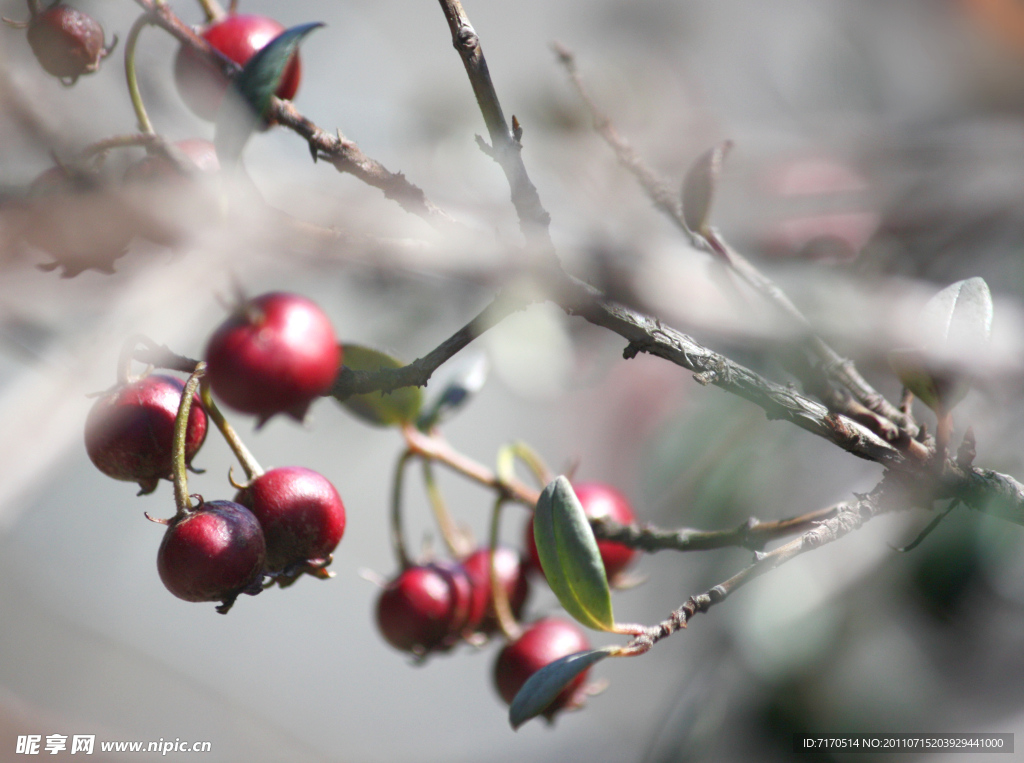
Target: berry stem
column 397, row 539
column 454, row 539
column 533, row 462
column 502, row 609
column 943, row 435
column 213, row 10
column 245, row 458
column 181, row 498
column 129, row 71
column 35, row 7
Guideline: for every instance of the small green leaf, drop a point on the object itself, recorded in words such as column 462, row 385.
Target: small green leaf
column 380, row 408
column 570, row 558
column 248, row 98
column 541, row 689
column 699, row 186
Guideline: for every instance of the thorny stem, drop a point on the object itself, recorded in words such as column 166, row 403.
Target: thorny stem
column 129, row 70
column 499, row 596
column 505, row 147
column 454, row 539
column 397, row 535
column 849, row 517
column 181, row 499
column 751, row 534
column 245, row 458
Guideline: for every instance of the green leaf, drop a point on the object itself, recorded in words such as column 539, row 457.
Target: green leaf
column 541, row 689
column 380, row 408
column 248, row 98
column 699, row 186
column 953, row 327
column 569, row 556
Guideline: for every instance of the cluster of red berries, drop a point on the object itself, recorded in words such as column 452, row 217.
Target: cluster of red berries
column 432, row 607
column 274, row 354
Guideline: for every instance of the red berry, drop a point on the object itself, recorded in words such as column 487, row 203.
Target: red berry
column 541, row 644
column 201, row 84
column 275, row 354
column 196, row 155
column 67, row 42
column 130, row 431
column 425, row 608
column 599, row 501
column 511, row 576
column 301, row 513
column 213, row 553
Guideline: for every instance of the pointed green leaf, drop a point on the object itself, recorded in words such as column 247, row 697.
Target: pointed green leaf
column 380, row 408
column 541, row 689
column 248, row 98
column 569, row 556
column 699, row 186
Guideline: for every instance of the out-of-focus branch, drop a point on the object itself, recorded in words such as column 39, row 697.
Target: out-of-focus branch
column 666, row 199
column 848, row 517
column 345, row 155
column 505, row 147
column 752, row 534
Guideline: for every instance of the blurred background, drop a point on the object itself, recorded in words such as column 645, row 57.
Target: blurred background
column 879, row 156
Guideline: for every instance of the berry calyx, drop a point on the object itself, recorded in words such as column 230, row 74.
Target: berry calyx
column 238, row 36
column 275, row 354
column 425, row 608
column 598, row 501
column 541, row 643
column 302, row 516
column 67, row 42
column 129, row 433
column 213, row 552
column 511, row 577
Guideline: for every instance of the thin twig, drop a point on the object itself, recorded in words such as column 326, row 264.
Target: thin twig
column 848, row 517
column 505, row 147
column 666, row 199
column 417, row 373
column 751, row 534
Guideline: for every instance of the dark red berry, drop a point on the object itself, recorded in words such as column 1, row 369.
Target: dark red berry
column 541, row 644
column 275, row 354
column 598, row 501
column 194, row 155
column 425, row 608
column 301, row 513
column 130, row 431
column 511, row 577
column 213, row 553
column 202, row 85
column 67, row 42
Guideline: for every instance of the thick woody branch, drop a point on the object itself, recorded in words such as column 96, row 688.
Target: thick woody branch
column 647, row 334
column 505, row 147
